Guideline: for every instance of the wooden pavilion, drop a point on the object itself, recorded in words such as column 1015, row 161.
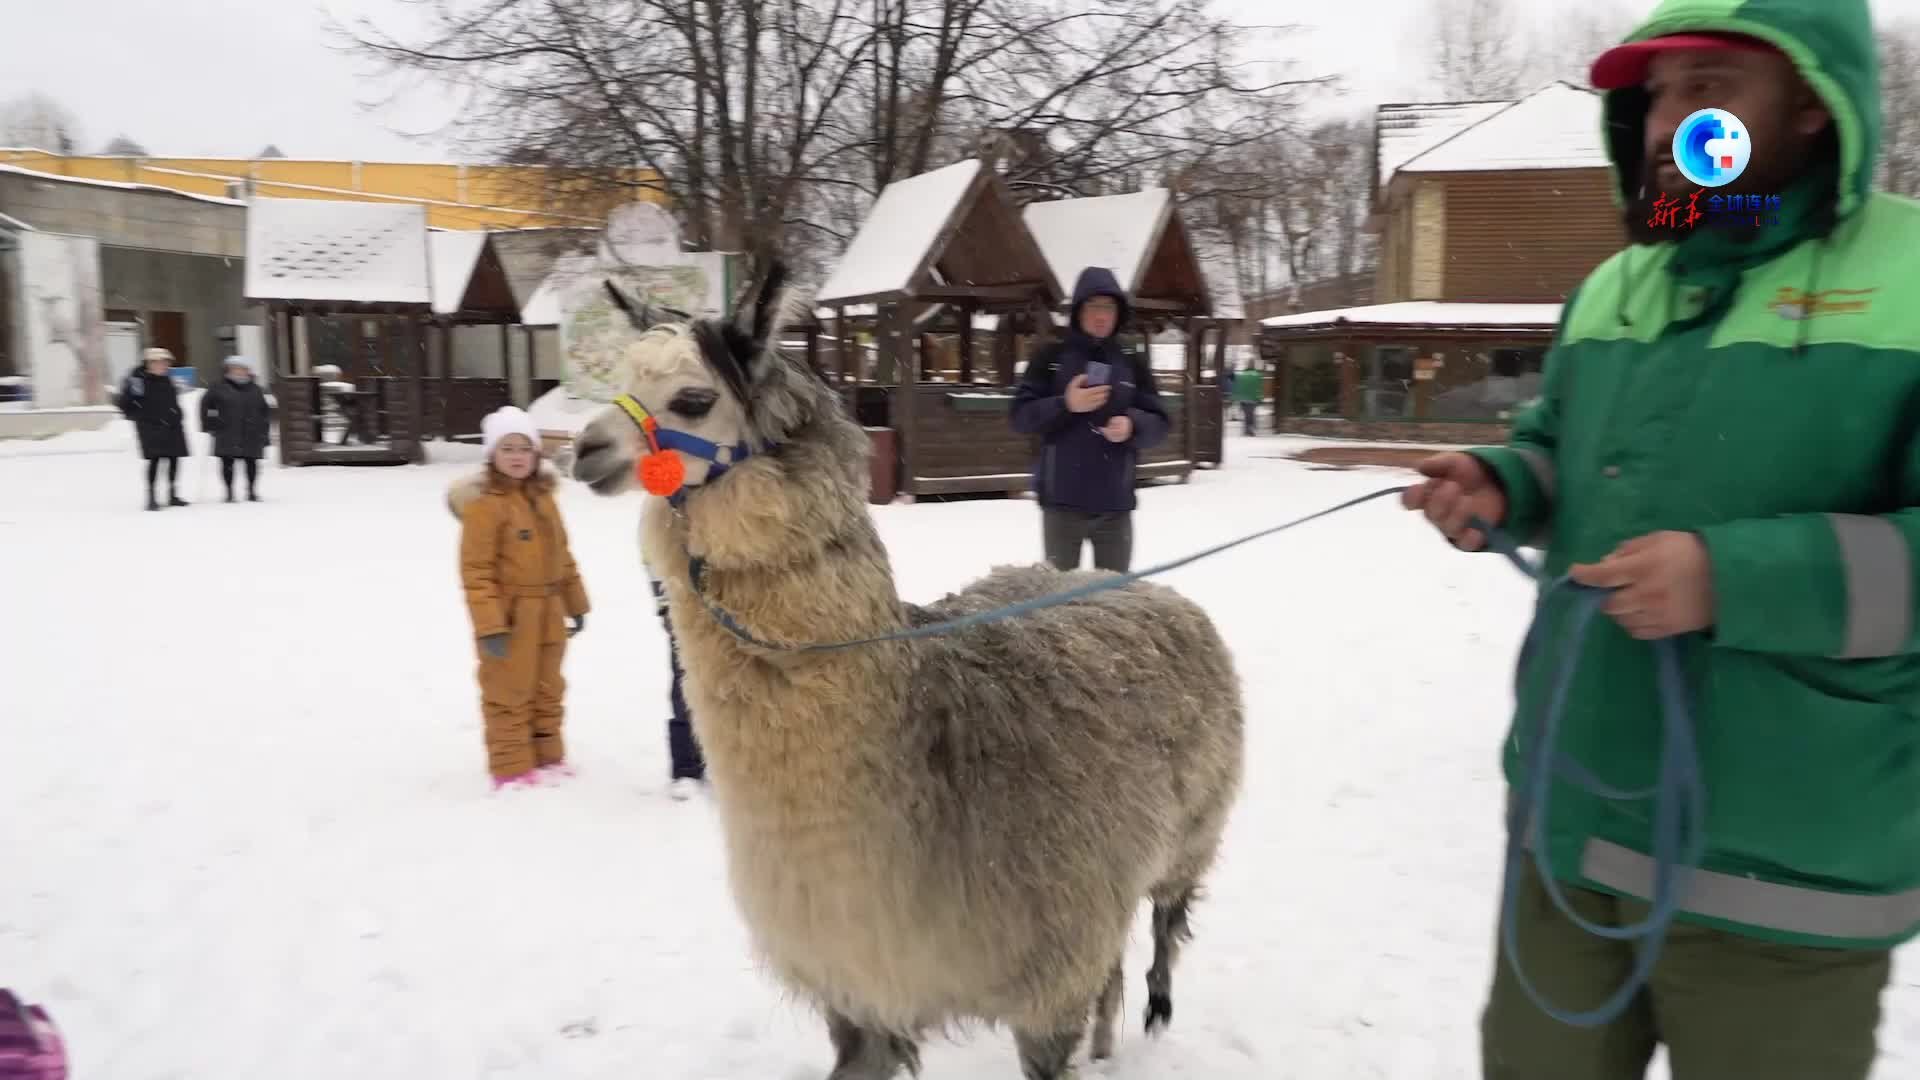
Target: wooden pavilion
column 349, row 283
column 940, row 255
column 470, row 290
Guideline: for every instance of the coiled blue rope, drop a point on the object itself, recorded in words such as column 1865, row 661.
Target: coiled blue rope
column 1678, row 793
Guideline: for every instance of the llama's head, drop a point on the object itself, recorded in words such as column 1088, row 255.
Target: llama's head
column 716, row 391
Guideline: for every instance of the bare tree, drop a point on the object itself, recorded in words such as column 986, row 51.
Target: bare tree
column 38, row 122
column 1568, row 42
column 1473, row 50
column 1292, row 208
column 121, row 146
column 1899, row 169
column 763, row 117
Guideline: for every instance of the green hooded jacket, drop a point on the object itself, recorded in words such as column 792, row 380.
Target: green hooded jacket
column 1767, row 397
column 1249, row 386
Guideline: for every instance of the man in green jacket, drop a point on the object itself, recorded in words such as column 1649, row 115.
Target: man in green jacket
column 1729, row 438
column 1249, row 387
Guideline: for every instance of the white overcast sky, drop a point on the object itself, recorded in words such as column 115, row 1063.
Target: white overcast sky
column 227, row 77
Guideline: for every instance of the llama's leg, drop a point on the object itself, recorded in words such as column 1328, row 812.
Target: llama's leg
column 1170, row 931
column 1048, row 1056
column 1105, row 1009
column 866, row 1054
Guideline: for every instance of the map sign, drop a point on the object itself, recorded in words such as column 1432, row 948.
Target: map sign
column 595, row 333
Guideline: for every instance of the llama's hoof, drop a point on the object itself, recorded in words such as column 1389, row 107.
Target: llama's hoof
column 1159, row 1012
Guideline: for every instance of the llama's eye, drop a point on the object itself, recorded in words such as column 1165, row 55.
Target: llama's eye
column 693, row 403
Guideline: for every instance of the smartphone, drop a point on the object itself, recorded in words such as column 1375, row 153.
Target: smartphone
column 1098, row 372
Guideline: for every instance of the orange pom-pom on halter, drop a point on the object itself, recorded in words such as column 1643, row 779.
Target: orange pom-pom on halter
column 660, row 472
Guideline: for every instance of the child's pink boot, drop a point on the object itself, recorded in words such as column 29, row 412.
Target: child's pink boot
column 558, row 770
column 530, row 778
column 30, row 1047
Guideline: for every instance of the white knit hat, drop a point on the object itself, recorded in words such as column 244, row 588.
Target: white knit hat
column 504, row 421
column 158, row 354
column 238, row 361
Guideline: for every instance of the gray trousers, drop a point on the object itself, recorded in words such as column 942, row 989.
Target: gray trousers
column 1065, row 531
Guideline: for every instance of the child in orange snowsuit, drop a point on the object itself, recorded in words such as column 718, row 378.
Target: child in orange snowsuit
column 524, row 595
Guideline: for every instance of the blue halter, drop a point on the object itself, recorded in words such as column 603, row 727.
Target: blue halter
column 660, row 439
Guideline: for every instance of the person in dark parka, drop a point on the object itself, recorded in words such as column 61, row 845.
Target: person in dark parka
column 149, row 399
column 689, row 764
column 1095, row 407
column 234, row 411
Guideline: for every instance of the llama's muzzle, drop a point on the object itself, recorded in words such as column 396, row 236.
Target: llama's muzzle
column 660, row 470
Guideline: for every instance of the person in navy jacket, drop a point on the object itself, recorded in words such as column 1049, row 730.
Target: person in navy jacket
column 1095, row 407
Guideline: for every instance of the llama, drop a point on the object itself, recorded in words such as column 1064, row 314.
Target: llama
column 926, row 833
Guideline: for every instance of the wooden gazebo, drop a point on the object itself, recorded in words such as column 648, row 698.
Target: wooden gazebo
column 350, row 281
column 940, row 255
column 470, row 289
column 1141, row 237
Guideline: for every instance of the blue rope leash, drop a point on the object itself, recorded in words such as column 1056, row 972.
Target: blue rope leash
column 1678, row 795
column 696, row 574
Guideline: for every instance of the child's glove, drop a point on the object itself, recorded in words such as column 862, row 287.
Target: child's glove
column 575, row 624
column 495, row 646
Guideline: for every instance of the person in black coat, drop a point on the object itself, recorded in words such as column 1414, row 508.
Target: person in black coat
column 1095, row 407
column 148, row 398
column 234, row 411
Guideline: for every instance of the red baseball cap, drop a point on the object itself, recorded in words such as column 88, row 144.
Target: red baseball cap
column 1626, row 65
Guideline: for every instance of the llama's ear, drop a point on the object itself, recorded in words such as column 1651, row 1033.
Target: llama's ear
column 644, row 313
column 759, row 310
column 638, row 311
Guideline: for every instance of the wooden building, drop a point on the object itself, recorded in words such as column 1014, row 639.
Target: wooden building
column 347, row 285
column 470, row 292
column 937, row 251
column 1489, row 215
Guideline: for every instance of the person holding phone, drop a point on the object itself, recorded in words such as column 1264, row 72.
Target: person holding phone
column 1095, row 407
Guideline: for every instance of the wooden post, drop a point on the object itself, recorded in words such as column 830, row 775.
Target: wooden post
column 1003, row 350
column 1195, row 329
column 966, row 345
column 896, row 329
column 446, row 382
column 1350, row 404
column 1282, row 365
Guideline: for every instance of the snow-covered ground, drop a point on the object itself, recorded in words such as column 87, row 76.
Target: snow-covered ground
column 245, row 831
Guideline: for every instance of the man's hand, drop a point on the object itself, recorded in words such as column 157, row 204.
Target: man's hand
column 1458, row 486
column 1119, row 429
column 1664, row 582
column 1082, row 398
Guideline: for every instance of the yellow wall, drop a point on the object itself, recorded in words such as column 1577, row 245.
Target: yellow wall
column 456, row 196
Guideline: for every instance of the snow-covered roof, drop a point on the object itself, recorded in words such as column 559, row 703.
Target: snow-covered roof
column 543, row 307
column 899, row 231
column 1428, row 313
column 1404, row 132
column 1556, row 127
column 119, row 185
column 341, row 251
column 1114, row 231
column 451, row 256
